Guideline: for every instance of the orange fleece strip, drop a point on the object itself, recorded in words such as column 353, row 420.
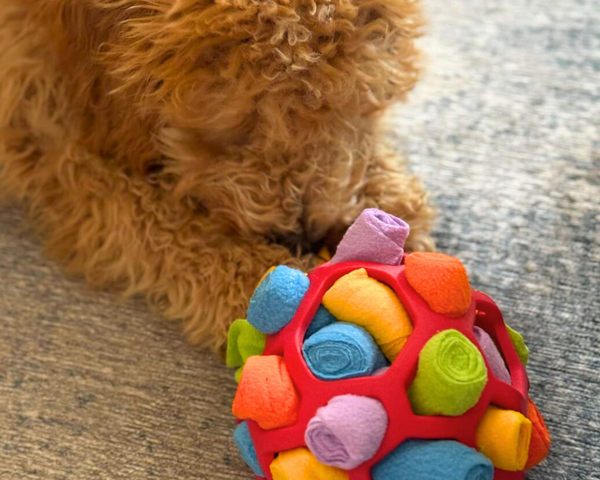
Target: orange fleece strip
column 441, row 280
column 540, row 437
column 266, row 393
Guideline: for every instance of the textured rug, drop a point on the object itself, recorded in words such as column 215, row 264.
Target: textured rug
column 505, row 131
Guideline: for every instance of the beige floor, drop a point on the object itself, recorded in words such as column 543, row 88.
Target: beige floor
column 94, row 389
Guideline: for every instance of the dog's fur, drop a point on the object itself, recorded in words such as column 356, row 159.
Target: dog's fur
column 179, row 148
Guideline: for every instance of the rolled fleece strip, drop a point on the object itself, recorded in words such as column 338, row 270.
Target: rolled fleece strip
column 441, row 280
column 266, row 393
column 347, row 431
column 323, row 256
column 491, row 353
column 375, row 236
column 269, row 270
column 357, row 298
column 243, row 440
column 243, row 341
column 300, row 464
column 504, row 437
column 517, row 340
column 451, row 376
column 321, row 319
column 539, row 447
column 277, row 298
column 342, row 350
column 434, row 460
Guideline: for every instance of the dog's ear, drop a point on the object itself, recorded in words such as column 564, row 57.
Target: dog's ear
column 79, row 31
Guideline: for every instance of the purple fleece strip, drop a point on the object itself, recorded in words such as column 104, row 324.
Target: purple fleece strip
column 347, row 432
column 492, row 355
column 375, row 236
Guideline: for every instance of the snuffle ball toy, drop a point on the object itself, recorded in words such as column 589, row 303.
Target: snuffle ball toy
column 381, row 366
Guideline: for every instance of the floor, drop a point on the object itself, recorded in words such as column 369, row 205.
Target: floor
column 505, row 130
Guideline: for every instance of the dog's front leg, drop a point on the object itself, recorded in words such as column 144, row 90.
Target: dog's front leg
column 364, row 176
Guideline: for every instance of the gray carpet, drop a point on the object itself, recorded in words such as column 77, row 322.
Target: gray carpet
column 504, row 129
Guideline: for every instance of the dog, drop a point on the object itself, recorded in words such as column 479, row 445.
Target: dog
column 179, row 148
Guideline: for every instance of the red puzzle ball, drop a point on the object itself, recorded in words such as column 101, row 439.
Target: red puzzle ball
column 381, row 366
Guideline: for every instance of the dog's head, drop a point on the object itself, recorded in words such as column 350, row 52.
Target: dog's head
column 234, row 69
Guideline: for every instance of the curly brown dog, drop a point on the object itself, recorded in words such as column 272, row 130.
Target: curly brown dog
column 179, row 148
